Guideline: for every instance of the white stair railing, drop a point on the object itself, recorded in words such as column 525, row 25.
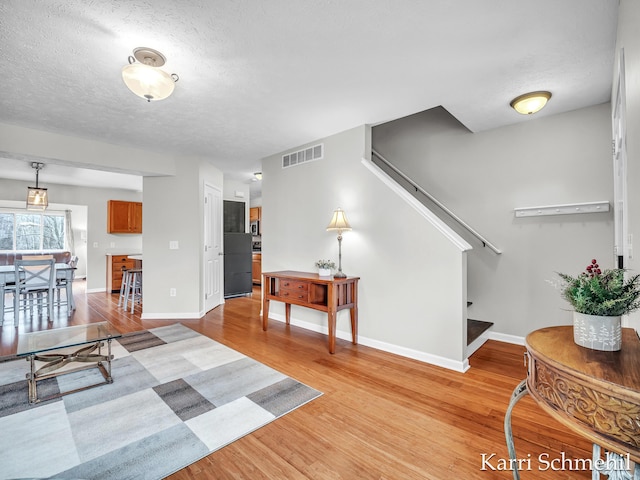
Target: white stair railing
column 418, row 188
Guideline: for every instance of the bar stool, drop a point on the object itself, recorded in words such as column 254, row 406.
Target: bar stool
column 133, row 287
column 124, row 288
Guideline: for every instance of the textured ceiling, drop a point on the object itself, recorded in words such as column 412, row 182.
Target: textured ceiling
column 258, row 77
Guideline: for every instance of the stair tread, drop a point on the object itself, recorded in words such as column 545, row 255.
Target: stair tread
column 475, row 328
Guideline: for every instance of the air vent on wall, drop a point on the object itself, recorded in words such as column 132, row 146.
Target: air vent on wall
column 302, row 156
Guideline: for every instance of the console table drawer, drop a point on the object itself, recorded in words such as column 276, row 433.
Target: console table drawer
column 296, row 291
column 286, row 284
column 294, row 295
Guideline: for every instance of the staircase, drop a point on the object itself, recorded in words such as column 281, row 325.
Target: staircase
column 475, row 328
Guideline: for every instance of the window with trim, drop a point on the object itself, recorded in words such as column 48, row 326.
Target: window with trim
column 30, row 231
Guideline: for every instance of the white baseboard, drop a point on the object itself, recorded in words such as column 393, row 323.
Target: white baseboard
column 477, row 343
column 172, row 316
column 96, row 290
column 377, row 344
column 503, row 337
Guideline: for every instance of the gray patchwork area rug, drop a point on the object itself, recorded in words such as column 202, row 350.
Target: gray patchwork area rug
column 177, row 396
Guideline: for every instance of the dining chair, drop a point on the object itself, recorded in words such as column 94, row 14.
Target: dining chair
column 34, row 280
column 7, row 307
column 63, row 283
column 36, row 257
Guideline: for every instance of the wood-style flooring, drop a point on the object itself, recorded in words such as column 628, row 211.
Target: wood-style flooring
column 382, row 416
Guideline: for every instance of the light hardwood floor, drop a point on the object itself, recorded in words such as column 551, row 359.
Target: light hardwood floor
column 382, row 416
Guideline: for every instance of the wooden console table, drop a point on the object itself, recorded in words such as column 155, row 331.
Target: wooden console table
column 309, row 290
column 594, row 393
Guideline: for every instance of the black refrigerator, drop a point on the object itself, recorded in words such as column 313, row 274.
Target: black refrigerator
column 237, row 264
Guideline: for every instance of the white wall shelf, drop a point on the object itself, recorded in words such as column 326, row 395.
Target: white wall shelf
column 565, row 209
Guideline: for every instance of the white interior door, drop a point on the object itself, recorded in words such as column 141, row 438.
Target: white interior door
column 623, row 242
column 213, row 266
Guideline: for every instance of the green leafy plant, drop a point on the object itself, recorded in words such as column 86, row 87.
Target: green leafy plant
column 328, row 264
column 598, row 292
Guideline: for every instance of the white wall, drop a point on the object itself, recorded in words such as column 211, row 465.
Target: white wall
column 482, row 177
column 20, row 142
column 628, row 38
column 94, row 202
column 173, row 211
column 411, row 295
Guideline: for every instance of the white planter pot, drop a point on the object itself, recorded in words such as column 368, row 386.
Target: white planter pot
column 324, row 272
column 597, row 332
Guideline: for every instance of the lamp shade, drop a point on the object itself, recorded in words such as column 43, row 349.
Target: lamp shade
column 339, row 221
column 530, row 102
column 148, row 82
column 37, row 198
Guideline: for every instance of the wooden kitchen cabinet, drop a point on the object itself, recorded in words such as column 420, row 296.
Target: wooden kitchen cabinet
column 256, row 270
column 124, row 217
column 116, row 264
column 255, row 213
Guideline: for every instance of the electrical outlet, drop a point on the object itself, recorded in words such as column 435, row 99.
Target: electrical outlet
column 173, row 245
column 172, row 292
column 112, row 244
column 95, row 244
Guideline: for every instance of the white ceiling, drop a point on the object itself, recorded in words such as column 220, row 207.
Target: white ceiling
column 258, row 77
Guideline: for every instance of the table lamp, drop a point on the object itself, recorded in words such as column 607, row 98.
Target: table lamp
column 339, row 222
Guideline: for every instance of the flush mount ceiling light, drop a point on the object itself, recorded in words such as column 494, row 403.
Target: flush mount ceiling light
column 146, row 79
column 530, row 102
column 37, row 198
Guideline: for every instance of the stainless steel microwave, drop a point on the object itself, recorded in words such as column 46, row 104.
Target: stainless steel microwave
column 255, row 227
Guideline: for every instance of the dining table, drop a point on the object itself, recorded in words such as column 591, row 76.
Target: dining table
column 64, row 271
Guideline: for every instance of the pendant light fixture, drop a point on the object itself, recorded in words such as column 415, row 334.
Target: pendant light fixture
column 530, row 102
column 145, row 78
column 37, row 198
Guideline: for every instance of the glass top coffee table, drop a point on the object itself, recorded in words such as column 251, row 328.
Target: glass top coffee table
column 91, row 338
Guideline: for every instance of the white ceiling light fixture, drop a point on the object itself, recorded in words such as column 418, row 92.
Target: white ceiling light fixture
column 37, row 198
column 146, row 79
column 257, row 176
column 530, row 102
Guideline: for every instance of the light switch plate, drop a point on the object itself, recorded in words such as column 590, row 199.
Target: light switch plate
column 173, row 245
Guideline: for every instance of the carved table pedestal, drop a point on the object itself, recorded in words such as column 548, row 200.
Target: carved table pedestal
column 594, row 393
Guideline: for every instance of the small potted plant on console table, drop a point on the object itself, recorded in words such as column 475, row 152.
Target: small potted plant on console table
column 324, row 267
column 600, row 298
